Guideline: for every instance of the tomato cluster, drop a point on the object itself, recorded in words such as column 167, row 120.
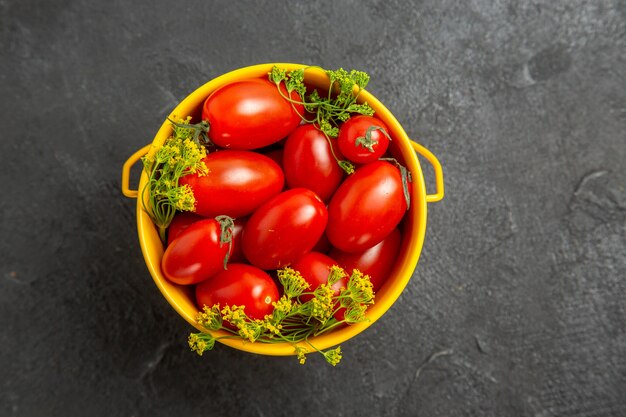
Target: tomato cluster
column 275, row 196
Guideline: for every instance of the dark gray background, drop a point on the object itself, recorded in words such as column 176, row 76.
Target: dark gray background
column 521, row 282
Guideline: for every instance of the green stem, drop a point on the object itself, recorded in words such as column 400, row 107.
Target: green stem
column 343, row 164
column 163, row 233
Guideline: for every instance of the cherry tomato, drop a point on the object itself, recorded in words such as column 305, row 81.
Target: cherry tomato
column 308, row 162
column 250, row 114
column 315, row 268
column 180, row 222
column 363, row 139
column 376, row 261
column 195, row 254
column 366, row 207
column 284, row 228
column 237, row 183
column 240, row 284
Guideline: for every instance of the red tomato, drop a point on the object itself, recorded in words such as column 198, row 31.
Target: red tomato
column 284, row 228
column 361, row 139
column 376, row 261
column 250, row 114
column 195, row 254
column 237, row 183
column 366, row 207
column 315, row 268
column 180, row 222
column 309, row 163
column 239, row 285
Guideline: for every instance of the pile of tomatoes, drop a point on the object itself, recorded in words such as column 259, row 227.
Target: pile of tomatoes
column 275, row 186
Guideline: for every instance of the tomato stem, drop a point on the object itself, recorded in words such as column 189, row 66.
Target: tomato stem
column 201, row 130
column 163, row 233
column 406, row 179
column 343, row 164
column 227, row 227
column 366, row 141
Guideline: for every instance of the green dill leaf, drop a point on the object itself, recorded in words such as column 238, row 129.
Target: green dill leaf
column 360, row 78
column 296, row 82
column 277, row 74
column 330, row 130
column 364, row 109
column 333, row 107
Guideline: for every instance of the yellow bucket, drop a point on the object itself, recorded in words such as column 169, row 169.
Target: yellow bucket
column 414, row 227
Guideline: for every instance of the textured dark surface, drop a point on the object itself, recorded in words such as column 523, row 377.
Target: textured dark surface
column 521, row 286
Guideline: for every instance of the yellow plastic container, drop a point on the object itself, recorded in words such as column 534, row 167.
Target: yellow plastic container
column 414, row 226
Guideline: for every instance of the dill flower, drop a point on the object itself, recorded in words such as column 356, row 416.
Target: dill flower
column 333, row 356
column 336, row 273
column 210, row 317
column 292, row 282
column 282, row 308
column 201, row 342
column 355, row 312
column 178, row 156
column 322, row 303
column 360, row 288
column 301, row 352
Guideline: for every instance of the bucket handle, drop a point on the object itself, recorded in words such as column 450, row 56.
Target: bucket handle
column 126, row 171
column 431, row 198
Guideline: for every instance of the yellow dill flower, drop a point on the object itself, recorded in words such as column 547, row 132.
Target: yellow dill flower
column 360, row 288
column 301, row 352
column 274, row 329
column 355, row 313
column 293, row 283
column 210, row 317
column 185, row 200
column 201, row 342
column 336, row 273
column 282, row 308
column 232, row 313
column 180, row 130
column 249, row 330
column 333, row 356
column 179, row 155
column 321, row 309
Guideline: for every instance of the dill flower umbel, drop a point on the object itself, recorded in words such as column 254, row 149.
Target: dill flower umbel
column 333, row 356
column 291, row 320
column 180, row 155
column 201, row 342
column 292, row 282
column 210, row 317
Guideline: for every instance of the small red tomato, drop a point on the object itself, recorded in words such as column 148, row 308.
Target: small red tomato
column 366, row 207
column 180, row 222
column 237, row 183
column 363, row 139
column 284, row 228
column 308, row 162
column 240, row 285
column 250, row 114
column 315, row 269
column 195, row 254
column 376, row 261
